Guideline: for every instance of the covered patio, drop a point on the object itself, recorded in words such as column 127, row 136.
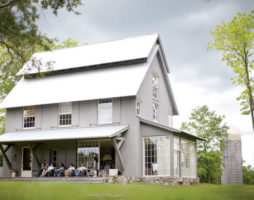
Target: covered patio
column 25, row 150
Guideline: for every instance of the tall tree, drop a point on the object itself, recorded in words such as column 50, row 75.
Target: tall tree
column 207, row 124
column 236, row 41
column 18, row 23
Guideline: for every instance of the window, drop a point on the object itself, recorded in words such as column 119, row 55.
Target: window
column 85, row 152
column 105, row 111
column 157, row 156
column 176, row 157
column 65, row 114
column 155, row 86
column 29, row 117
column 138, row 108
column 155, row 112
column 188, row 158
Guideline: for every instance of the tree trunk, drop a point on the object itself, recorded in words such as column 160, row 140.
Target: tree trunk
column 249, row 89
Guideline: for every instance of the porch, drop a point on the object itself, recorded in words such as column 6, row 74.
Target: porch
column 24, row 151
column 71, row 179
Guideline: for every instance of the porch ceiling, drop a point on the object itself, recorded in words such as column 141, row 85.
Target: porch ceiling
column 63, row 134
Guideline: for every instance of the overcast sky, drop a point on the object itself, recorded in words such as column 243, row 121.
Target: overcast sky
column 198, row 77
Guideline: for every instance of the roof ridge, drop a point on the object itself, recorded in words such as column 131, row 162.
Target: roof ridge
column 95, row 43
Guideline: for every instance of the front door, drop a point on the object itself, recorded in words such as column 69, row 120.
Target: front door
column 27, row 158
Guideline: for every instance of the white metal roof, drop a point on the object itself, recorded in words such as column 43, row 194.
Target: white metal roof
column 78, row 86
column 93, row 54
column 63, row 134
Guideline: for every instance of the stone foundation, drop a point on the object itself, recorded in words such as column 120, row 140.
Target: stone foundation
column 151, row 180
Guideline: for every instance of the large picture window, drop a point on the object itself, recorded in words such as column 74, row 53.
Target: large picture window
column 29, row 117
column 105, row 111
column 65, row 114
column 176, row 156
column 157, row 156
column 188, row 158
column 85, row 152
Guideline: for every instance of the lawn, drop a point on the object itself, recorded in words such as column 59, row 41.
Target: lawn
column 36, row 190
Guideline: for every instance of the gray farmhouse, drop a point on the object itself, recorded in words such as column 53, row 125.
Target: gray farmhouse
column 113, row 99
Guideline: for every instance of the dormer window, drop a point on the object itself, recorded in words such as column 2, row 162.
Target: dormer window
column 155, row 86
column 65, row 114
column 29, row 116
column 105, row 111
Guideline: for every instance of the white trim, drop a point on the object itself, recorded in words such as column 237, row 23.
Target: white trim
column 23, row 119
column 26, row 173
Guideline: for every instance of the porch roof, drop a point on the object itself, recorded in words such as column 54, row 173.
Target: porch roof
column 63, row 134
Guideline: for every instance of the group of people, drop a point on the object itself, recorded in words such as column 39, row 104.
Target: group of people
column 53, row 171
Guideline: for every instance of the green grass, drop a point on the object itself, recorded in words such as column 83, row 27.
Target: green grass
column 36, row 190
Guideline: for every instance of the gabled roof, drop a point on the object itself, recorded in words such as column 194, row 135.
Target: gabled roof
column 129, row 49
column 98, row 71
column 79, row 86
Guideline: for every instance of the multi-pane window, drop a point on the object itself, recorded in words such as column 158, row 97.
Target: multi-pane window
column 29, row 117
column 176, row 156
column 85, row 152
column 65, row 113
column 155, row 112
column 138, row 108
column 155, row 87
column 105, row 111
column 188, row 158
column 157, row 156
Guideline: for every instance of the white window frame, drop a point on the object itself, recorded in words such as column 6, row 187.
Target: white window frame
column 24, row 116
column 155, row 112
column 138, row 108
column 155, row 86
column 64, row 113
column 144, row 161
column 101, row 101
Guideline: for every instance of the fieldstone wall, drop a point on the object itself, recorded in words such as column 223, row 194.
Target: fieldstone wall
column 152, row 180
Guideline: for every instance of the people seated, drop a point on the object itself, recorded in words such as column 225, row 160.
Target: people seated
column 69, row 171
column 60, row 170
column 81, row 170
column 49, row 170
column 44, row 167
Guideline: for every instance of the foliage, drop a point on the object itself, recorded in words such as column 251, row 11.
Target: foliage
column 208, row 125
column 76, row 190
column 248, row 174
column 18, row 23
column 236, row 40
column 10, row 64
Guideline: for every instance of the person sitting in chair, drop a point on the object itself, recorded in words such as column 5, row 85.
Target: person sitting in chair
column 68, row 171
column 81, row 169
column 44, row 167
column 49, row 170
column 58, row 171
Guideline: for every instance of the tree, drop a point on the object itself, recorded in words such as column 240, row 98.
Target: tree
column 248, row 174
column 18, row 23
column 208, row 125
column 236, row 41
